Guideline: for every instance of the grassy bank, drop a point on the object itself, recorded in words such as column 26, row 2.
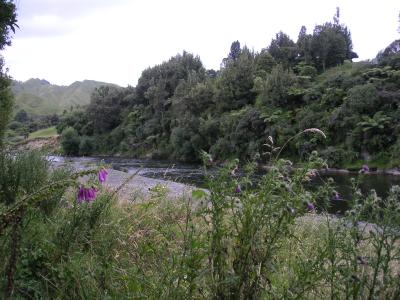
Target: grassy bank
column 47, row 132
column 239, row 241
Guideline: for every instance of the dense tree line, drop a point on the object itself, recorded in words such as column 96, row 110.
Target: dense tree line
column 179, row 108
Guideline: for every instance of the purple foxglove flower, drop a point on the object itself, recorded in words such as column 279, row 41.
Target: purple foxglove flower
column 81, row 196
column 103, row 175
column 310, row 206
column 238, row 189
column 86, row 193
column 90, row 194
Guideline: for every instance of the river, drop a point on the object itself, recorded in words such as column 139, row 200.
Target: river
column 193, row 174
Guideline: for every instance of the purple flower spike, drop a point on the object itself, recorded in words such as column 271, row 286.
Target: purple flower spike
column 238, row 189
column 310, row 206
column 103, row 175
column 90, row 195
column 81, row 196
column 86, row 193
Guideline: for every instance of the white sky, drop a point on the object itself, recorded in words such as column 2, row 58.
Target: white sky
column 64, row 41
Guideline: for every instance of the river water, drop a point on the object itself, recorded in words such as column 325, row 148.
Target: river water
column 193, row 174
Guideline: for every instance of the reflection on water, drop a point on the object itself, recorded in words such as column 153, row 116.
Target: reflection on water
column 379, row 182
column 193, row 174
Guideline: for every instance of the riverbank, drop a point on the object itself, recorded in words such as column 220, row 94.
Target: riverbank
column 47, row 144
column 52, row 145
column 136, row 188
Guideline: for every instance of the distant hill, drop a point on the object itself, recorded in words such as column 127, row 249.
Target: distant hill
column 40, row 97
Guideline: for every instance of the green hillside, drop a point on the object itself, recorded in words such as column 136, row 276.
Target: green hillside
column 39, row 97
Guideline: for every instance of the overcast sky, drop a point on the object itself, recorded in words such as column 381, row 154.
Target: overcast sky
column 63, row 41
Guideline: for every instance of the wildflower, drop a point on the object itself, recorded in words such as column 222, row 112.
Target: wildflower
column 364, row 169
column 238, row 189
column 103, row 175
column 81, row 194
column 91, row 194
column 86, row 194
column 310, row 206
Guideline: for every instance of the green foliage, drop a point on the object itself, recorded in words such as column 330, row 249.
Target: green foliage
column 283, row 50
column 8, row 22
column 264, row 62
column 178, row 108
column 105, row 108
column 235, row 84
column 21, row 116
column 86, row 146
column 47, row 132
column 6, row 101
column 277, row 87
column 70, row 141
column 22, row 174
column 241, row 238
column 362, row 98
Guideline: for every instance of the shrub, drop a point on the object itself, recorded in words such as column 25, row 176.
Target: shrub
column 70, row 141
column 86, row 146
column 277, row 87
column 362, row 98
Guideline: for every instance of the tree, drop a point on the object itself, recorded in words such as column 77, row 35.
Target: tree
column 331, row 44
column 8, row 21
column 283, row 50
column 70, row 141
column 106, row 105
column 328, row 46
column 264, row 62
column 235, row 50
column 304, row 46
column 21, row 116
column 233, row 55
column 236, row 82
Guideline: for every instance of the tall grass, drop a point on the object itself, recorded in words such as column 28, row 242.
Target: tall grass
column 240, row 240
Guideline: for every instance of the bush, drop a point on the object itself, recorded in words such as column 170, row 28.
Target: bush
column 336, row 157
column 362, row 99
column 70, row 141
column 277, row 87
column 86, row 146
column 21, row 174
